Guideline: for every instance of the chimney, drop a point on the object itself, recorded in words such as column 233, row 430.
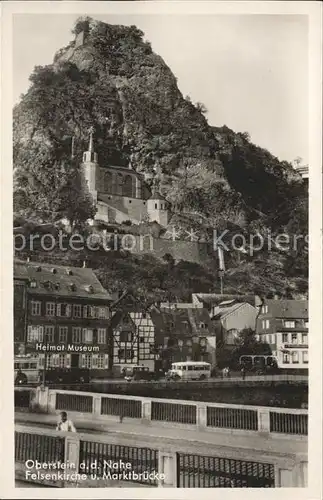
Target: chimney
column 84, row 264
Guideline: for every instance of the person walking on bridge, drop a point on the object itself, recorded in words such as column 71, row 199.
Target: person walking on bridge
column 64, row 424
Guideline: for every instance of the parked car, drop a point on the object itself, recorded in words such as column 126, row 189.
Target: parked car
column 141, row 373
column 65, row 376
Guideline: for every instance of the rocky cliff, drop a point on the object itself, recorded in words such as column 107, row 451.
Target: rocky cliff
column 109, row 77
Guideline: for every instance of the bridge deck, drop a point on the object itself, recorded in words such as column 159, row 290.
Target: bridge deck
column 206, row 439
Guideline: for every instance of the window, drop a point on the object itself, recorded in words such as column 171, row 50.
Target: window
column 64, row 310
column 35, row 333
column 142, row 340
column 87, row 361
column 286, row 358
column 264, row 309
column 306, row 324
column 87, row 312
column 102, row 336
column 285, row 338
column 61, row 360
column 156, row 206
column 305, row 356
column 265, row 324
column 77, row 311
column 304, row 338
column 294, row 338
column 289, row 324
column 50, row 309
column 125, row 354
column 49, row 334
column 87, row 335
column 295, row 358
column 35, row 308
column 125, row 336
column 100, row 360
column 76, row 334
column 103, row 313
column 62, row 334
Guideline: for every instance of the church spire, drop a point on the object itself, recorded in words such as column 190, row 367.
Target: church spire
column 91, row 130
column 90, row 155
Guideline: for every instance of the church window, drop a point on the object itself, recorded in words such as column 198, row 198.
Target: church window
column 127, row 186
column 156, row 206
column 120, row 184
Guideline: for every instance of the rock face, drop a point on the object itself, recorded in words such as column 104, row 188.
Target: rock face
column 108, row 77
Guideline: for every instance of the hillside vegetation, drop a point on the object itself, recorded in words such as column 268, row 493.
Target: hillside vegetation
column 116, row 83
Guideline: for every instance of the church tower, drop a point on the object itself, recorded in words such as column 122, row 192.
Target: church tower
column 91, row 167
column 157, row 208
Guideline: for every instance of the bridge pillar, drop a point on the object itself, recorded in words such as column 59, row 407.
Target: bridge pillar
column 284, row 478
column 304, row 474
column 201, row 415
column 41, row 399
column 146, row 411
column 167, row 465
column 263, row 420
column 97, row 405
column 51, row 401
column 72, row 452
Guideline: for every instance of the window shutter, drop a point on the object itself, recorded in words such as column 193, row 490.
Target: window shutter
column 59, row 309
column 84, row 335
column 83, row 360
column 68, row 361
column 94, row 361
column 106, row 361
column 41, row 333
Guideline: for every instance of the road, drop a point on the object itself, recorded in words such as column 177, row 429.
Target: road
column 255, row 441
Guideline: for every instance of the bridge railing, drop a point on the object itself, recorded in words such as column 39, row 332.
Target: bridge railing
column 162, row 462
column 201, row 415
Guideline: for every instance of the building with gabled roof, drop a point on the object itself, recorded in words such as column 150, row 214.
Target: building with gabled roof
column 66, row 316
column 157, row 336
column 283, row 324
column 231, row 317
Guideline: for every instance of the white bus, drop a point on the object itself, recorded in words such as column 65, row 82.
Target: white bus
column 29, row 366
column 190, row 370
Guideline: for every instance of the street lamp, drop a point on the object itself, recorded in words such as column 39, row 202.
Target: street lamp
column 221, row 275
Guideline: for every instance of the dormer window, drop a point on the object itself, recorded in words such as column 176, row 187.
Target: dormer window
column 69, row 272
column 33, row 284
column 38, row 269
column 72, row 287
column 89, row 288
column 54, row 271
column 48, row 285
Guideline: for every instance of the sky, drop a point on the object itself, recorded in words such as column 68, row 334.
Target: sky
column 250, row 71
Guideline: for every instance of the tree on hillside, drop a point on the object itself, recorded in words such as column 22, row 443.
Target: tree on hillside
column 201, row 107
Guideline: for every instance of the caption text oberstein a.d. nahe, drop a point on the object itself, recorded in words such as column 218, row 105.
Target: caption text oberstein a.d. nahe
column 105, row 470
